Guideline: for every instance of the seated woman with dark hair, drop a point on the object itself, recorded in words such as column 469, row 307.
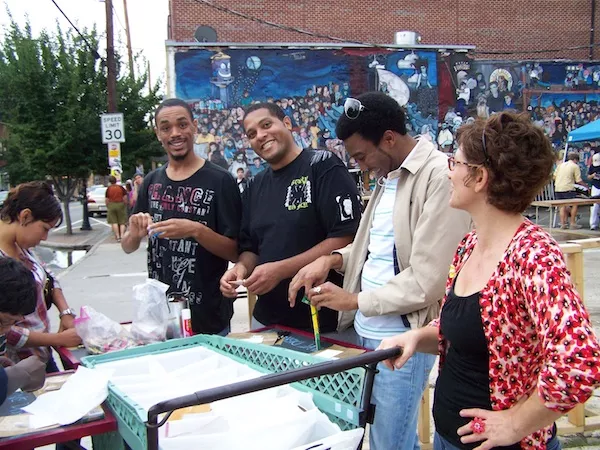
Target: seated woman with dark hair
column 516, row 346
column 18, row 296
column 30, row 211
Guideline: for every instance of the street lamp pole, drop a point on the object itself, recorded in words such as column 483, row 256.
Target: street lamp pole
column 85, row 223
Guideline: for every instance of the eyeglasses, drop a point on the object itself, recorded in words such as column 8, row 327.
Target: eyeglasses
column 453, row 162
column 353, row 108
column 485, row 153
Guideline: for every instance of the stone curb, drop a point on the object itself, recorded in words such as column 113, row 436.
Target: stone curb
column 90, row 252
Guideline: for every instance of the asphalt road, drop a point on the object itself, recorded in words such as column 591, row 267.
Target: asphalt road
column 76, row 210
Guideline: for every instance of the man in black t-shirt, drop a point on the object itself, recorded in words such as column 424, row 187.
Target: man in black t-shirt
column 190, row 210
column 304, row 205
column 594, row 177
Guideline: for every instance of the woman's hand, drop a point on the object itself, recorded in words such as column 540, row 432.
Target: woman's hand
column 407, row 342
column 68, row 338
column 66, row 322
column 499, row 427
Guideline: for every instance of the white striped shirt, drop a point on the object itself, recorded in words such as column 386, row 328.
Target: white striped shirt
column 379, row 267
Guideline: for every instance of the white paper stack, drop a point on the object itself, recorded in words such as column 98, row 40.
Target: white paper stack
column 279, row 418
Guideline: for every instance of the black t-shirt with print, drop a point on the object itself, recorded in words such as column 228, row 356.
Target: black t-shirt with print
column 210, row 196
column 287, row 212
column 592, row 171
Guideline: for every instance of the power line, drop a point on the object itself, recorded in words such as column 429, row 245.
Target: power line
column 118, row 18
column 92, row 49
column 279, row 26
column 370, row 44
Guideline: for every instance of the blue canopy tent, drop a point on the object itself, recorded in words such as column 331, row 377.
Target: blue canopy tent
column 589, row 132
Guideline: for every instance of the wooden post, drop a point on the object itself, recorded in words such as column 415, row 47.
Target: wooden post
column 424, row 423
column 573, row 252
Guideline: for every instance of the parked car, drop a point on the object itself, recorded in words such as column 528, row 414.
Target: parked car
column 3, row 195
column 96, row 200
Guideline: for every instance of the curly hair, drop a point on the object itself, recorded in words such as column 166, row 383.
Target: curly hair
column 19, row 290
column 37, row 196
column 519, row 158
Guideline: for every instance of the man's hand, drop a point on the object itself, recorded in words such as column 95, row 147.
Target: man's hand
column 34, row 373
column 236, row 273
column 333, row 297
column 311, row 275
column 138, row 225
column 68, row 338
column 174, row 228
column 264, row 278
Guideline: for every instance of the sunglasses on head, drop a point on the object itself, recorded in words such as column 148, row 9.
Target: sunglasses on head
column 353, row 108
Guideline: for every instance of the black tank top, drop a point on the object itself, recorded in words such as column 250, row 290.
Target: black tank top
column 463, row 381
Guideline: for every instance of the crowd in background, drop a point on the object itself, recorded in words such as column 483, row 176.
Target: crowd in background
column 221, row 137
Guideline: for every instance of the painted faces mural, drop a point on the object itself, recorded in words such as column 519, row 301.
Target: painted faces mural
column 309, row 85
column 559, row 96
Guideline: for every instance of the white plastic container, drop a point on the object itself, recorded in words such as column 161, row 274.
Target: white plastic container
column 186, row 322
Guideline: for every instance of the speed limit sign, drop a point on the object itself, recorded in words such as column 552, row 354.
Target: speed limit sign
column 113, row 128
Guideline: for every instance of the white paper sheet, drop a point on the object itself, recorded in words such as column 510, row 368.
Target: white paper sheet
column 329, row 353
column 82, row 392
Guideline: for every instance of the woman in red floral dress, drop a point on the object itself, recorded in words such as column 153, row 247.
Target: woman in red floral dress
column 517, row 349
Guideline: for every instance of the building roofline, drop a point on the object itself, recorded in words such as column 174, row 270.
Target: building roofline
column 315, row 45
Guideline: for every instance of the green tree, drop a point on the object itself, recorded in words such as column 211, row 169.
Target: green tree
column 52, row 92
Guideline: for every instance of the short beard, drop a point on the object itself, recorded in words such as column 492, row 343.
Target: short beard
column 390, row 161
column 179, row 157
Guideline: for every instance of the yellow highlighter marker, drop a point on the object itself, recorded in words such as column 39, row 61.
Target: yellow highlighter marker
column 315, row 320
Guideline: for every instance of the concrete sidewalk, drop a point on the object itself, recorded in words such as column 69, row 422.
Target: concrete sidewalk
column 79, row 240
column 104, row 279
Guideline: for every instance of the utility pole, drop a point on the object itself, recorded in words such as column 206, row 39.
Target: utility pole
column 128, row 34
column 111, row 77
column 149, row 77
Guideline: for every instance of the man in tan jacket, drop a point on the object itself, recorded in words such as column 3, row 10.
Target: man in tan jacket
column 396, row 269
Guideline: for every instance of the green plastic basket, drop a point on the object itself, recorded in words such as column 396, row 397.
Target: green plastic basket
column 338, row 395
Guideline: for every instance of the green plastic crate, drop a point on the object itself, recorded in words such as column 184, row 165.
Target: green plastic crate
column 338, row 395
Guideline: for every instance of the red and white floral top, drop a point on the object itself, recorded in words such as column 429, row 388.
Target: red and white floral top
column 538, row 331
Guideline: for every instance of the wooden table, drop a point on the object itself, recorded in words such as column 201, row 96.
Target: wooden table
column 558, row 203
column 103, row 433
column 71, row 357
column 103, row 429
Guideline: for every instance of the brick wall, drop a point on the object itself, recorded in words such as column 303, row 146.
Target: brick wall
column 488, row 24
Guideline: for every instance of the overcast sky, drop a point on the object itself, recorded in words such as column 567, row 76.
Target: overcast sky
column 147, row 19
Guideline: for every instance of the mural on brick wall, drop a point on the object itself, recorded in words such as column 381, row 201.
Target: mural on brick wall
column 439, row 94
column 309, row 85
column 559, row 96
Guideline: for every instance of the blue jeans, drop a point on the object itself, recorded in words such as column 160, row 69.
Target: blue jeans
column 439, row 443
column 397, row 396
column 225, row 332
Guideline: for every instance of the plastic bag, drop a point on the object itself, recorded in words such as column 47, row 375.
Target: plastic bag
column 101, row 334
column 150, row 312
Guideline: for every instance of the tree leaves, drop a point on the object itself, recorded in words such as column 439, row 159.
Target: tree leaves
column 52, row 93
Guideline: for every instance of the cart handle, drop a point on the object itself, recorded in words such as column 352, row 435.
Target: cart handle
column 258, row 384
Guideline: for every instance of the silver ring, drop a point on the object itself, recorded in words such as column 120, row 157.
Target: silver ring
column 317, row 290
